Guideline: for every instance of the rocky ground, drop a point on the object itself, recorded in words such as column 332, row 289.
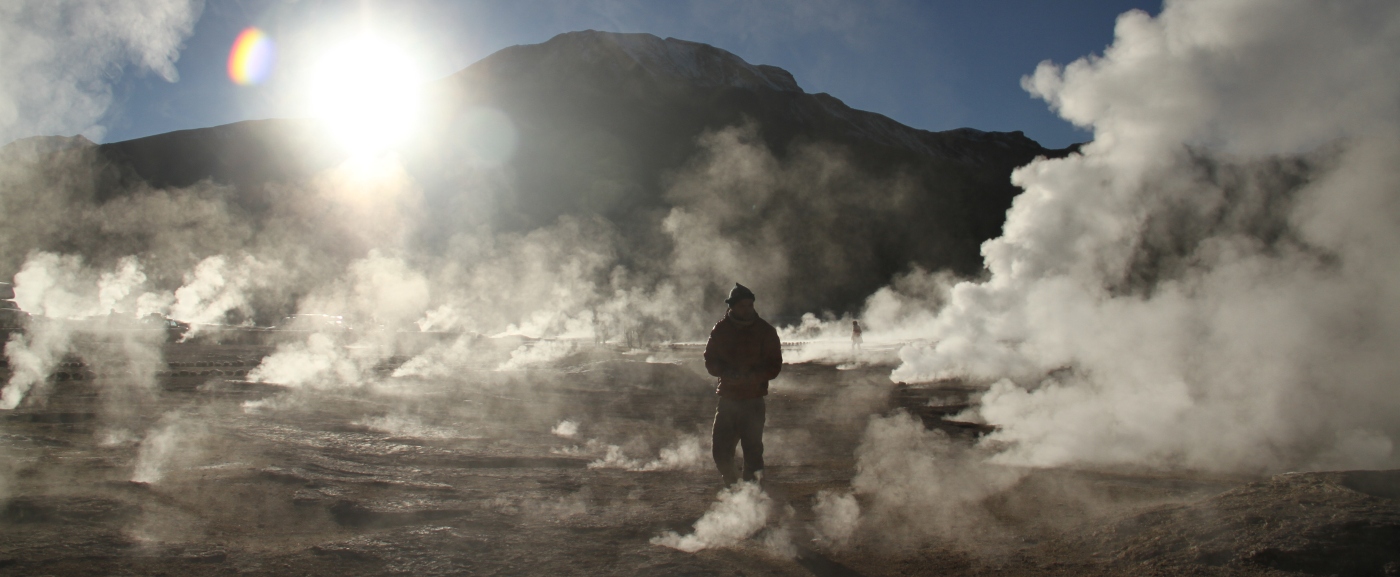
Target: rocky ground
column 574, row 467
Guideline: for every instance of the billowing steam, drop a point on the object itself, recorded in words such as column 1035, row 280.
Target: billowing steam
column 740, row 512
column 216, row 287
column 541, row 353
column 59, row 56
column 566, row 429
column 894, row 315
column 919, row 486
column 1212, row 283
column 174, row 442
column 32, row 357
column 686, row 453
column 68, row 296
column 838, row 518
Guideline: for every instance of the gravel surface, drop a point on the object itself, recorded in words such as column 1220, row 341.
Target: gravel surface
column 480, row 473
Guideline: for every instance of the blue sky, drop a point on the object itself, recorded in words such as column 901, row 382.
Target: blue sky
column 934, row 65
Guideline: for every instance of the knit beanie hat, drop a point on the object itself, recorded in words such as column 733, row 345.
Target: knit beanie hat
column 738, row 293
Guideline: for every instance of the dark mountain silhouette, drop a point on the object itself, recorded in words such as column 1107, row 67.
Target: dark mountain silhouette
column 606, row 108
column 608, row 124
column 244, row 154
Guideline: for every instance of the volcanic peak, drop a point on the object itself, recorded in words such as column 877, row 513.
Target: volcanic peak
column 672, row 59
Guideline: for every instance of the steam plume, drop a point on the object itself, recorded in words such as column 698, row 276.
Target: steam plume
column 1213, row 279
column 32, row 357
column 173, row 442
column 739, row 513
column 686, row 453
column 68, row 295
column 59, row 56
column 920, row 486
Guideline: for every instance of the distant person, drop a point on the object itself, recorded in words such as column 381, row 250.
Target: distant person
column 855, row 335
column 744, row 352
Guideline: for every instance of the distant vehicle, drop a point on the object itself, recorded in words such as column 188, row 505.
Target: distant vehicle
column 11, row 316
column 313, row 322
column 174, row 330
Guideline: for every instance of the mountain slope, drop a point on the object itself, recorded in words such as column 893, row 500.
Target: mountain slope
column 597, row 109
column 673, row 145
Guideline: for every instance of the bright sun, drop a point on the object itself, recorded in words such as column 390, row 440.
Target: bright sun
column 367, row 91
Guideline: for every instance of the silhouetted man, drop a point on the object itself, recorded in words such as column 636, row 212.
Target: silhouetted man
column 744, row 352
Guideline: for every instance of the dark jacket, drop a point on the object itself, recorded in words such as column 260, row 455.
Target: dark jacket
column 744, row 358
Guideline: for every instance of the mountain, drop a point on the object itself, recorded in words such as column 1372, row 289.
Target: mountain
column 606, row 120
column 244, row 153
column 642, row 101
column 631, row 128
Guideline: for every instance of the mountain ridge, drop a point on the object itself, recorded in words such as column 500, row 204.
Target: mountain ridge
column 615, row 127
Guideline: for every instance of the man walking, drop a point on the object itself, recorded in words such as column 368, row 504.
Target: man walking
column 744, row 352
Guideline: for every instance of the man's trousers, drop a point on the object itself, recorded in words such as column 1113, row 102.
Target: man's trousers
column 739, row 422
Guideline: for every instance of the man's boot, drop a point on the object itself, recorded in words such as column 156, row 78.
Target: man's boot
column 730, row 473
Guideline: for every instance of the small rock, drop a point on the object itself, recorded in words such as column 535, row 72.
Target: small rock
column 215, row 556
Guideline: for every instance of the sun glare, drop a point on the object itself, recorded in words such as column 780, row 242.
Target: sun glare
column 367, row 91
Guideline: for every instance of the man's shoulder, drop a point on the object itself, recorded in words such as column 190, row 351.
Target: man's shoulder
column 722, row 326
column 725, row 325
column 764, row 326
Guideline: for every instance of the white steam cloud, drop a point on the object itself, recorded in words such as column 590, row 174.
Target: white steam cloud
column 540, row 353
column 404, row 424
column 31, row 356
column 566, row 429
column 920, row 486
column 891, row 317
column 687, row 453
column 63, row 287
column 68, row 296
column 59, row 56
column 1214, row 280
column 319, row 362
column 838, row 517
column 377, row 294
column 740, row 512
column 216, row 287
column 173, row 443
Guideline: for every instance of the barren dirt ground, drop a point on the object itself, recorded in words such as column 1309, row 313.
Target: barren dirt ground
column 466, row 474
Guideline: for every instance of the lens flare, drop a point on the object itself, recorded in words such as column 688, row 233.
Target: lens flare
column 252, row 57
